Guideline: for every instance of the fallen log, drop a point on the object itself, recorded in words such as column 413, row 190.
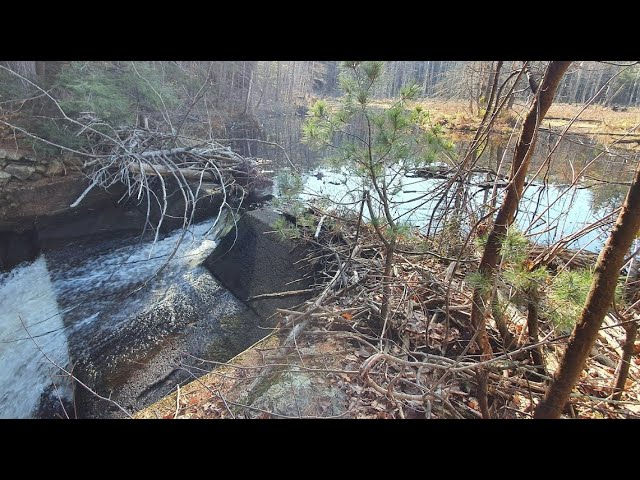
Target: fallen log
column 153, row 169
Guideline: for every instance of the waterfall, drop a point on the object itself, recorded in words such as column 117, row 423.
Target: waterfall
column 28, row 300
column 78, row 297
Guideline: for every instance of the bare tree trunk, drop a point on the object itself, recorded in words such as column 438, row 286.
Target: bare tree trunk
column 598, row 301
column 425, row 80
column 278, row 74
column 627, row 352
column 489, row 86
column 247, row 103
column 293, row 77
column 633, row 99
column 533, row 300
column 267, row 79
column 40, row 69
column 522, row 156
column 599, row 83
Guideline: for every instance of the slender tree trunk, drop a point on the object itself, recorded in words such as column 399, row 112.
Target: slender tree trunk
column 293, row 77
column 634, row 99
column 267, row 80
column 522, row 156
column 489, row 86
column 278, row 75
column 533, row 301
column 40, row 70
column 247, row 103
column 599, row 83
column 598, row 301
column 627, row 352
column 425, row 80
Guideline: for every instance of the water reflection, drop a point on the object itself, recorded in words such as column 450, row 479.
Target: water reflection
column 564, row 191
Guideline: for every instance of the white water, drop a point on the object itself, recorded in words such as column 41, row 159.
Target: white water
column 27, row 296
column 78, row 294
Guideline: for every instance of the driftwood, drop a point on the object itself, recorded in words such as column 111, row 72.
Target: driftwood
column 441, row 172
column 187, row 173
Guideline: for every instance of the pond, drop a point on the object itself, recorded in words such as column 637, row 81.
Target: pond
column 553, row 206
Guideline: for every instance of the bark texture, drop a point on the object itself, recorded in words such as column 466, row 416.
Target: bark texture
column 522, row 156
column 599, row 299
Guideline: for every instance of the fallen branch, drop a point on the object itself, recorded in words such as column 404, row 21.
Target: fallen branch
column 290, row 293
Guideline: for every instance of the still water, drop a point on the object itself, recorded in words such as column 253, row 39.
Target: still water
column 553, row 206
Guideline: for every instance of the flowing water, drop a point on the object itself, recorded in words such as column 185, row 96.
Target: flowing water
column 98, row 302
column 28, row 300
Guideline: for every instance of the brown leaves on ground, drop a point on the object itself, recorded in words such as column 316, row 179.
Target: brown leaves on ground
column 406, row 375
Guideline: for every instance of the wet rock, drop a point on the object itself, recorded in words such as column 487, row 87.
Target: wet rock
column 40, row 167
column 21, row 172
column 255, row 260
column 3, row 153
column 139, row 361
column 13, row 155
column 16, row 248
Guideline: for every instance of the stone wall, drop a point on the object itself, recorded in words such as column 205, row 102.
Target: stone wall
column 35, row 206
column 17, row 166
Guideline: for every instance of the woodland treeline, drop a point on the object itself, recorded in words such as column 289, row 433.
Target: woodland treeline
column 248, row 85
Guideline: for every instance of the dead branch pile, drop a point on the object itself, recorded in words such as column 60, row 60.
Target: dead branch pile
column 423, row 362
column 560, row 257
column 149, row 167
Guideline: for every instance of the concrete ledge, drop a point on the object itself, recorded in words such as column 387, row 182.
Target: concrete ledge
column 250, row 261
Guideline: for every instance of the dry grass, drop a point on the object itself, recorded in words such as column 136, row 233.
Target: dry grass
column 607, row 117
column 602, row 124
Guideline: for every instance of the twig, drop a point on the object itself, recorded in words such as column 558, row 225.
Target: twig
column 177, row 401
column 289, row 293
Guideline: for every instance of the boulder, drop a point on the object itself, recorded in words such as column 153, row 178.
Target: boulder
column 21, row 172
column 13, row 155
column 16, row 248
column 299, row 394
